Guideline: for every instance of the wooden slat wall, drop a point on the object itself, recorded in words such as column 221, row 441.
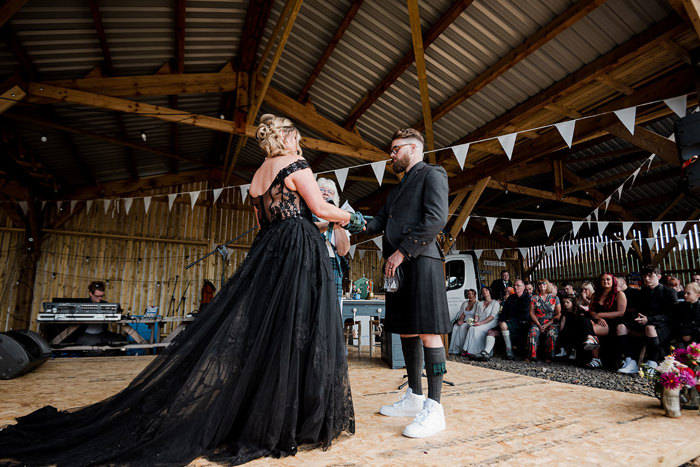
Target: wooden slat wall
column 11, row 252
column 588, row 264
column 141, row 266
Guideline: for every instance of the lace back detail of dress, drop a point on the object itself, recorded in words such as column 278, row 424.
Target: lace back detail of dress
column 279, row 202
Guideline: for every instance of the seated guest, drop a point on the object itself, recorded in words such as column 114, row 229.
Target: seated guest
column 529, row 288
column 485, row 318
column 545, row 312
column 584, row 300
column 567, row 327
column 688, row 315
column 512, row 321
column 499, row 286
column 461, row 326
column 607, row 308
column 567, row 289
column 696, row 277
column 631, row 294
column 675, row 284
column 653, row 321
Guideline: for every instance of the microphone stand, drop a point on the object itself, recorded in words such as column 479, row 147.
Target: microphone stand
column 221, row 249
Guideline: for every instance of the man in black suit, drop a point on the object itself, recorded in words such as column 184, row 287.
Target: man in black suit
column 499, row 286
column 415, row 212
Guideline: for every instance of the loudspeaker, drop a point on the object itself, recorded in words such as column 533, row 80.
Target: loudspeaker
column 21, row 352
column 687, row 131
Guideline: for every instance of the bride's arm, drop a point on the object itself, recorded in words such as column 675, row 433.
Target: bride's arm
column 303, row 181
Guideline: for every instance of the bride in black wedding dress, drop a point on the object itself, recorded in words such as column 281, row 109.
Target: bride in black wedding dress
column 261, row 372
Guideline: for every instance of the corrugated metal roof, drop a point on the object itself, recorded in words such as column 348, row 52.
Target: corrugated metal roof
column 61, row 41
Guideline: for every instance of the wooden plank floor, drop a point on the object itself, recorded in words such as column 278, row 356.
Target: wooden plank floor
column 492, row 417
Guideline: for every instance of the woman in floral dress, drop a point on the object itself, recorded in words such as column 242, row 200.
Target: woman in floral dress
column 545, row 312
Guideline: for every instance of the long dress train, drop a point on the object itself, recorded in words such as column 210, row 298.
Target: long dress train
column 261, row 371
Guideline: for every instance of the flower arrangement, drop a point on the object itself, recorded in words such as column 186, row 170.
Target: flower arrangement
column 680, row 369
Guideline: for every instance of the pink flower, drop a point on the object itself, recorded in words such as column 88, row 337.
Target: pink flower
column 670, row 380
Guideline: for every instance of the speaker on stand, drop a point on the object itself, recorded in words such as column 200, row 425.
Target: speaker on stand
column 21, row 352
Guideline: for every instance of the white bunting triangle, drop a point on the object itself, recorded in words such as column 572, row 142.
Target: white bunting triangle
column 523, row 252
column 648, row 161
column 146, row 203
column 626, row 226
column 379, row 254
column 678, row 104
column 362, row 253
column 490, row 222
column 619, row 192
column 548, row 226
column 216, row 192
column 464, row 226
column 626, row 244
column 316, row 177
column 650, row 242
column 478, row 253
column 23, row 206
column 576, row 226
column 378, row 168
column 566, row 130
column 244, row 191
column 588, row 220
column 461, row 154
column 599, row 246
column 515, row 223
column 346, row 207
column 108, row 203
column 574, row 249
column 127, row 204
column 655, row 226
column 74, row 202
column 43, row 204
column 499, row 252
column 634, row 175
column 341, row 175
column 548, row 250
column 680, row 238
column 627, row 117
column 171, row 201
column 378, row 241
column 508, row 143
column 680, row 225
column 193, row 198
column 595, row 213
column 607, row 203
column 88, row 205
column 352, row 251
column 601, row 227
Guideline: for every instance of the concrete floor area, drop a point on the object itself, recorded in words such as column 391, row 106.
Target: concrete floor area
column 492, row 417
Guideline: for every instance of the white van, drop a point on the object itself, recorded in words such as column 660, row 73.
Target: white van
column 461, row 274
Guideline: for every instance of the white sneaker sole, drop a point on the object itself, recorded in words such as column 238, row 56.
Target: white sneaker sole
column 407, row 433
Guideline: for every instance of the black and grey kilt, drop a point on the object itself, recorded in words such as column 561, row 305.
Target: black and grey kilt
column 420, row 305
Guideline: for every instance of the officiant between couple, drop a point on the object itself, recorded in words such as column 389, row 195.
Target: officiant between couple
column 415, row 211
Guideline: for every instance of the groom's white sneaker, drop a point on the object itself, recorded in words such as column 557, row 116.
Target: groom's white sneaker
column 408, row 406
column 429, row 421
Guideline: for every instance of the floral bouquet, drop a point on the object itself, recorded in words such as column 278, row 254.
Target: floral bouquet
column 680, row 370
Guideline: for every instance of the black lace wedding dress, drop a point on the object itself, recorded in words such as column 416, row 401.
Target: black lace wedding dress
column 261, row 371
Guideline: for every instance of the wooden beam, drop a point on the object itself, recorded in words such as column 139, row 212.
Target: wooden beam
column 256, row 18
column 9, row 9
column 673, row 242
column 8, row 35
column 649, row 141
column 97, row 20
column 558, row 178
column 670, row 206
column 628, row 51
column 466, row 211
column 543, row 35
column 180, row 24
column 692, row 8
column 345, row 150
column 615, row 84
column 406, row 61
column 536, row 193
column 414, row 19
column 11, row 97
column 257, row 98
column 354, row 7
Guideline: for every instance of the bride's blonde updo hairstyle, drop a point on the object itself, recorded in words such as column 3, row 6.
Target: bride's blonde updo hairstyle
column 270, row 135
